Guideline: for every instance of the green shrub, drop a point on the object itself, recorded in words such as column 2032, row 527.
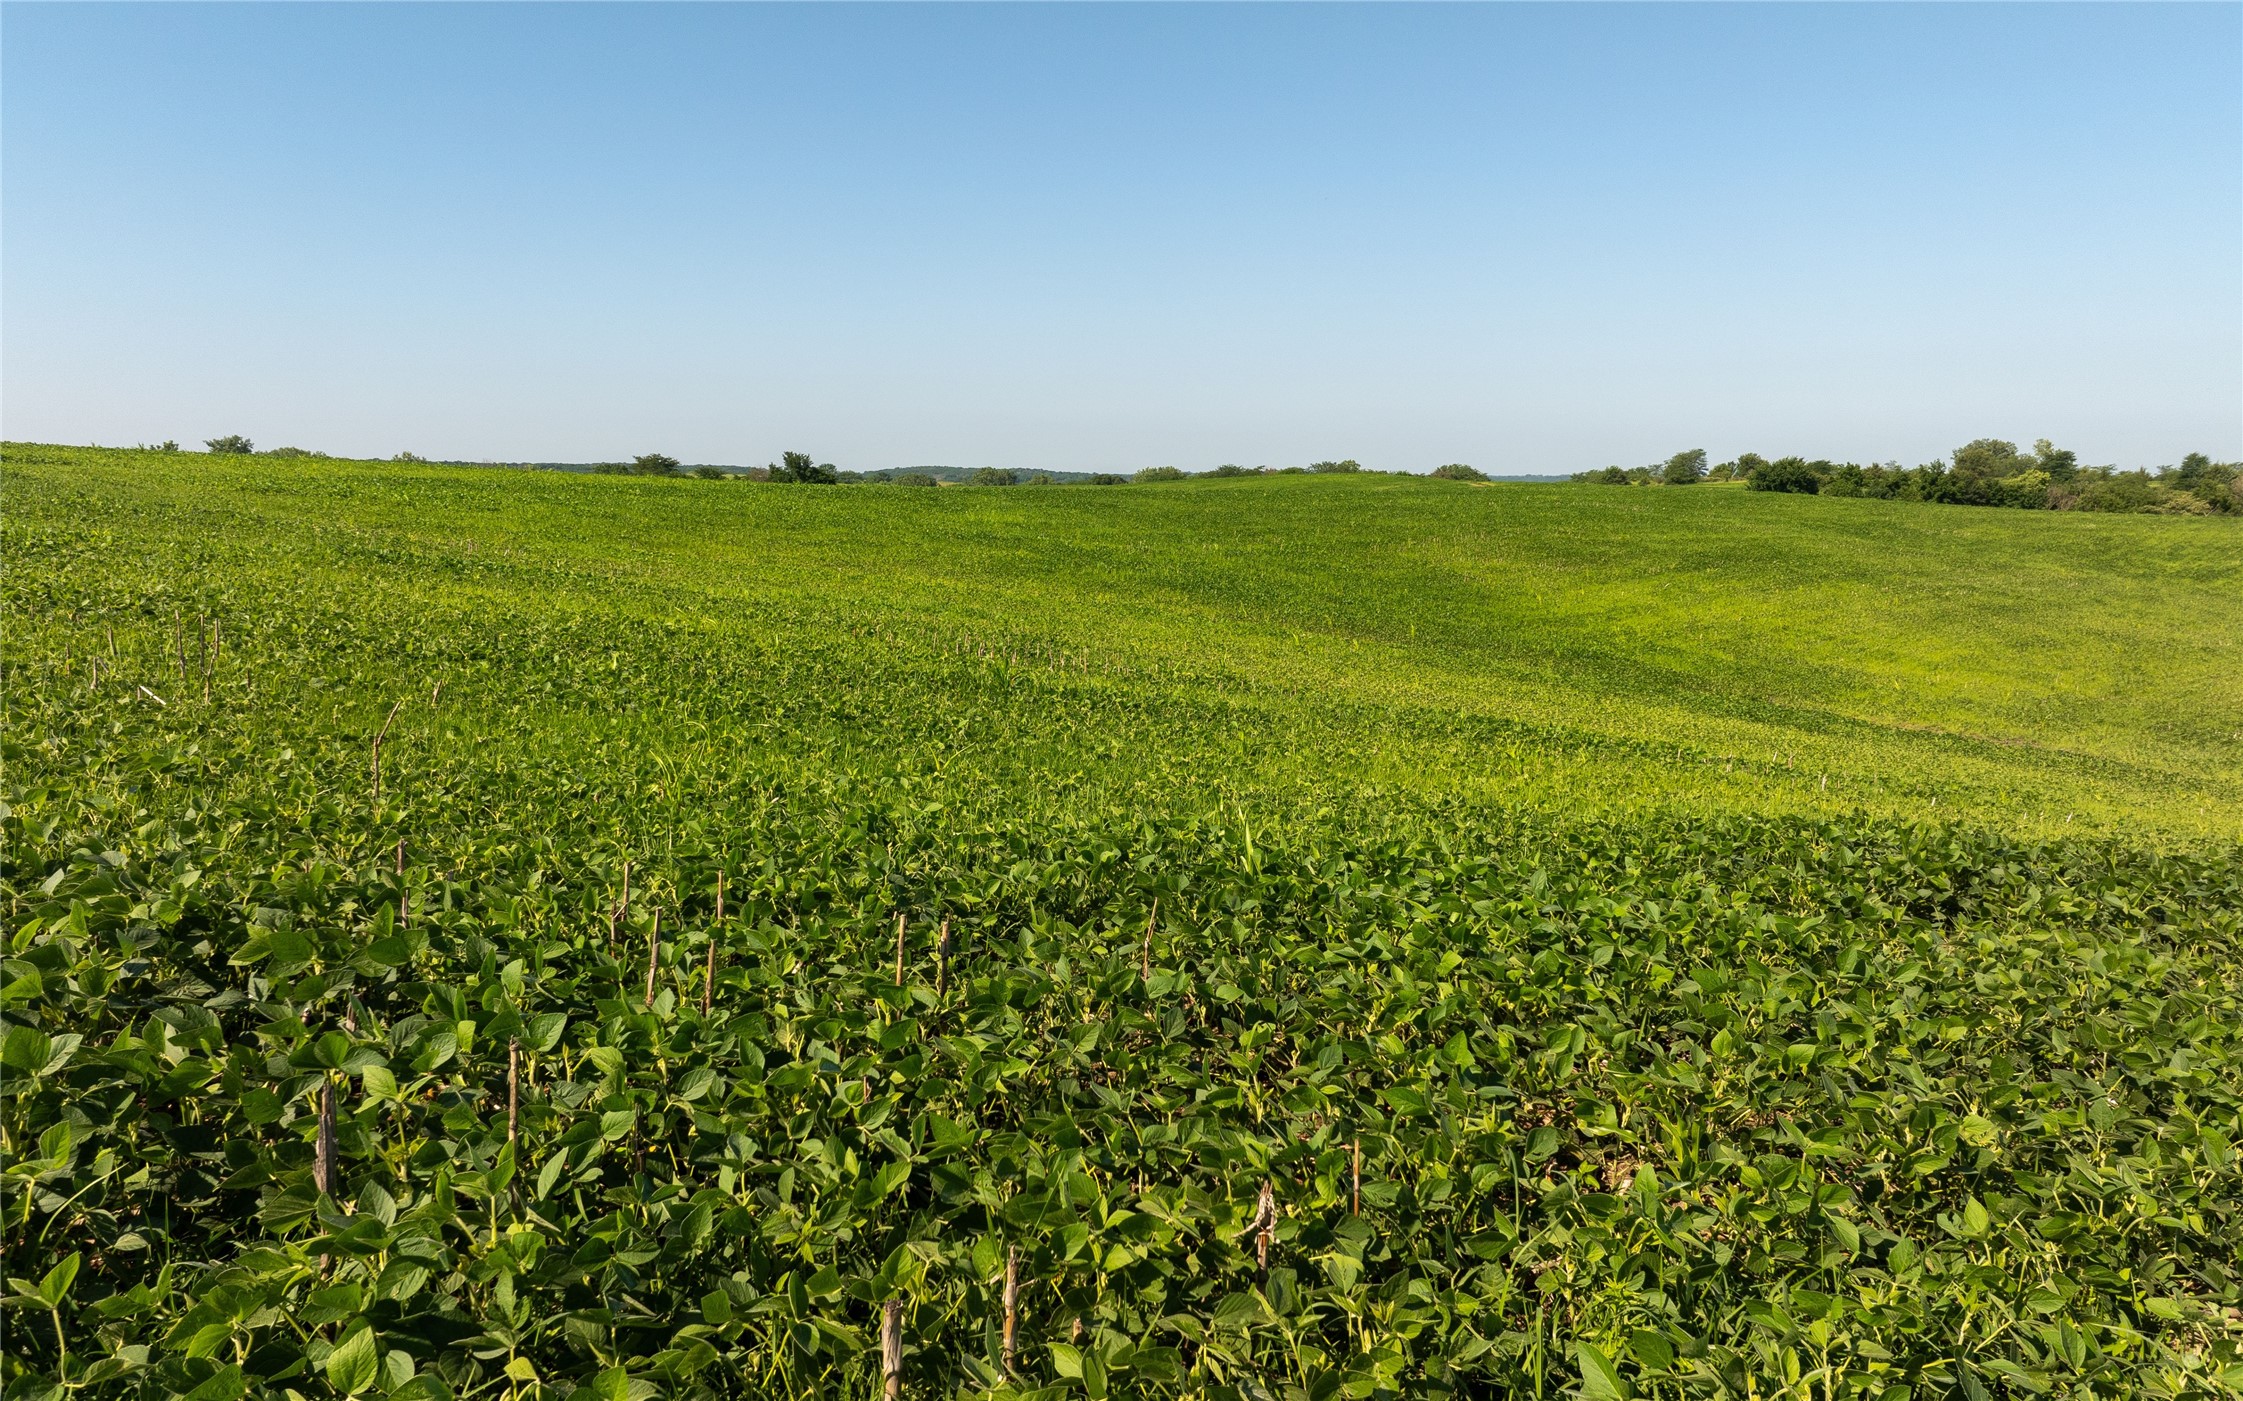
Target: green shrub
column 232, row 445
column 2026, row 490
column 2060, row 464
column 797, row 467
column 2119, row 492
column 1684, row 468
column 2213, row 483
column 1345, row 464
column 915, row 479
column 994, row 476
column 1847, row 480
column 1158, row 474
column 1793, row 474
column 1990, row 458
column 1459, row 472
column 2180, row 503
column 1108, row 479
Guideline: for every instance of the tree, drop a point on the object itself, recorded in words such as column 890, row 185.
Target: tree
column 915, row 479
column 2213, row 482
column 1229, row 469
column 2061, row 464
column 655, row 464
column 1848, row 480
column 995, row 476
column 1040, row 479
column 1459, row 472
column 1792, row 474
column 711, row 474
column 233, row 444
column 797, row 467
column 1990, row 458
column 2122, row 491
column 408, row 457
column 1345, row 464
column 1157, row 474
column 1108, row 479
column 1684, row 468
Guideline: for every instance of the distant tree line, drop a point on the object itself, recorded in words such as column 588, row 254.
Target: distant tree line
column 1983, row 472
column 800, row 468
column 235, row 445
column 1232, row 469
column 1005, row 476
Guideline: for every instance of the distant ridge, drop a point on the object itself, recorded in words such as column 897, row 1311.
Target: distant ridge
column 961, row 474
column 940, row 472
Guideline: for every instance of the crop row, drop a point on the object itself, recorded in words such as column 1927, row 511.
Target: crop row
column 1853, row 1109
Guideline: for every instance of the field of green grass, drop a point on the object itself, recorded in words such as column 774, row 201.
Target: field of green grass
column 1720, row 651
column 1359, row 936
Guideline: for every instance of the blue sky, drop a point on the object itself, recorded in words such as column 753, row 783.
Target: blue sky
column 1534, row 238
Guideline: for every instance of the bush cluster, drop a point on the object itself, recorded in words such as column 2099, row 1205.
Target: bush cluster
column 1984, row 472
column 799, row 468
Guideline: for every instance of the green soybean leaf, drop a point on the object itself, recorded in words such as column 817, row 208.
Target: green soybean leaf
column 1848, row 1234
column 25, row 1049
column 1975, row 1220
column 1651, row 1349
column 1600, row 1380
column 225, row 1384
column 353, row 1365
column 56, row 1286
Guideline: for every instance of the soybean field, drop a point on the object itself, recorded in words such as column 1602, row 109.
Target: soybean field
column 479, row 933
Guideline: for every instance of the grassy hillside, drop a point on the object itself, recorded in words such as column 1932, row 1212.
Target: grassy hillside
column 1720, row 650
column 1326, row 936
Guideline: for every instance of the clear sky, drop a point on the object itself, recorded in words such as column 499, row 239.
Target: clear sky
column 1533, row 238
